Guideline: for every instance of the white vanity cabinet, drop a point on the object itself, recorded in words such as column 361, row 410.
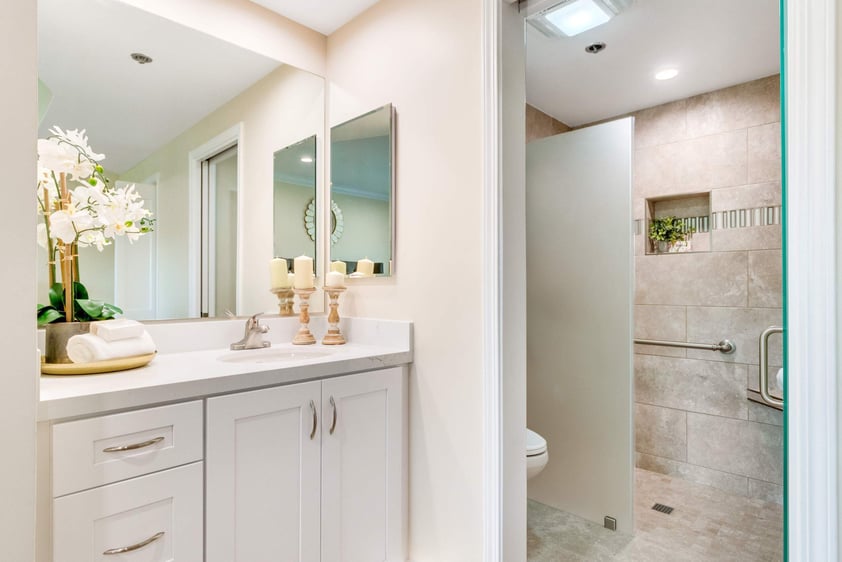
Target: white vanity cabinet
column 129, row 486
column 311, row 471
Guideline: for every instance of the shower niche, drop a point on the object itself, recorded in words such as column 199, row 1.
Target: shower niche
column 677, row 224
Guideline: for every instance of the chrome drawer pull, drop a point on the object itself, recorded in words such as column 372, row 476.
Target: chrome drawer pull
column 137, row 546
column 333, row 424
column 133, row 446
column 315, row 420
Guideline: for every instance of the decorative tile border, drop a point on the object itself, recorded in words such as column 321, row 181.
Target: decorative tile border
column 724, row 220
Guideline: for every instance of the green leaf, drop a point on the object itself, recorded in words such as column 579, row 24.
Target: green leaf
column 91, row 308
column 47, row 315
column 79, row 291
column 57, row 296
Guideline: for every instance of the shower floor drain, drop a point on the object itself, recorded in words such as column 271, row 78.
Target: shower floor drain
column 662, row 508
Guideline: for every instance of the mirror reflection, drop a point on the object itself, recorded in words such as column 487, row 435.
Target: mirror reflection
column 362, row 191
column 294, row 201
column 193, row 121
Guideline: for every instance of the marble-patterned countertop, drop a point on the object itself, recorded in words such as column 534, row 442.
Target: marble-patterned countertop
column 192, row 373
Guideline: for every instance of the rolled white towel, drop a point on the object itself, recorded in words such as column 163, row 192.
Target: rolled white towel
column 119, row 329
column 88, row 348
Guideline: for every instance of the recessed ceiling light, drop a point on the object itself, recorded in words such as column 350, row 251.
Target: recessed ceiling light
column 666, row 74
column 306, row 159
column 140, row 58
column 572, row 17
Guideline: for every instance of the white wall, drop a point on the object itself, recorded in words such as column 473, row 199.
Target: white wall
column 425, row 57
column 248, row 25
column 281, row 109
column 19, row 117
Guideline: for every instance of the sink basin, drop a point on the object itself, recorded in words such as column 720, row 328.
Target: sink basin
column 270, row 355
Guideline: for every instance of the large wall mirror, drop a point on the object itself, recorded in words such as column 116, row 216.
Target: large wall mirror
column 362, row 190
column 196, row 128
column 294, row 203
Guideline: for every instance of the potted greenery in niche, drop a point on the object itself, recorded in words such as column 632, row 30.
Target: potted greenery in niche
column 79, row 209
column 670, row 235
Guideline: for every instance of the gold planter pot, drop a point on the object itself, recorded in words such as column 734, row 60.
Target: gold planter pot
column 57, row 336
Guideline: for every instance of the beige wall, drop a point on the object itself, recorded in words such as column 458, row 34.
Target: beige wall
column 18, row 398
column 281, row 109
column 540, row 125
column 425, row 57
column 692, row 416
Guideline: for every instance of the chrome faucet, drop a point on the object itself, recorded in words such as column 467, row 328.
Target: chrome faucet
column 253, row 339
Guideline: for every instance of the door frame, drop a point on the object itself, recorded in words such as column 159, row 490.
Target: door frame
column 810, row 279
column 222, row 141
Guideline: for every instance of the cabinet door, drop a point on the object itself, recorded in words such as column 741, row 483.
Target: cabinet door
column 153, row 518
column 262, row 475
column 364, row 467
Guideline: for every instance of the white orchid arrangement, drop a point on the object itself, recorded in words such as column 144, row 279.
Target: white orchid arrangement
column 80, row 210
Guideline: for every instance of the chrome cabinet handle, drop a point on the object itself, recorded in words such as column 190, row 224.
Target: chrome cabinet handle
column 315, row 420
column 133, row 547
column 764, row 366
column 333, row 423
column 133, row 446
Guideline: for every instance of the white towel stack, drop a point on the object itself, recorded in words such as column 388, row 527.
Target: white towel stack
column 110, row 339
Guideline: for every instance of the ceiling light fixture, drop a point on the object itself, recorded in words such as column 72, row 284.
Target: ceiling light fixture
column 572, row 17
column 140, row 58
column 307, row 159
column 666, row 74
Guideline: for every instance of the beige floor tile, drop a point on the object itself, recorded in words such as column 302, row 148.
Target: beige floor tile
column 707, row 525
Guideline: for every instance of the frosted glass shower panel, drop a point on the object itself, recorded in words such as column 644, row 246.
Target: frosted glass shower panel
column 579, row 315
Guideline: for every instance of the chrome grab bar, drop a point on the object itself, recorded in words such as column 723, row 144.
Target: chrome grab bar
column 764, row 366
column 725, row 346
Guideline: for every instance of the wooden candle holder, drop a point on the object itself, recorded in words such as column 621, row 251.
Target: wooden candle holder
column 285, row 301
column 304, row 337
column 334, row 336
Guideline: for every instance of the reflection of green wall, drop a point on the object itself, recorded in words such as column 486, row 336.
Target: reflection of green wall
column 290, row 234
column 362, row 165
column 367, row 230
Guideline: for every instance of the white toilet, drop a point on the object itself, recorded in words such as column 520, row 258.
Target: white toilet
column 536, row 453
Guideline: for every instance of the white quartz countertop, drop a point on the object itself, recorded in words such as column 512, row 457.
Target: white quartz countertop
column 185, row 375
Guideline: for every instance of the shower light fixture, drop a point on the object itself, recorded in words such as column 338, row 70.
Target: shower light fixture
column 572, row 17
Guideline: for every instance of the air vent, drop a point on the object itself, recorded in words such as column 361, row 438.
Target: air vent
column 662, row 508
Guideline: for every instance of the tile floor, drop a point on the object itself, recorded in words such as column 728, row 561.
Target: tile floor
column 707, row 525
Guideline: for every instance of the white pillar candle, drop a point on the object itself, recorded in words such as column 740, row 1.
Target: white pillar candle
column 303, row 272
column 278, row 273
column 334, row 279
column 290, row 279
column 365, row 267
column 339, row 266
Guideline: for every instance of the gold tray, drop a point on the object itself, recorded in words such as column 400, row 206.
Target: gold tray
column 110, row 366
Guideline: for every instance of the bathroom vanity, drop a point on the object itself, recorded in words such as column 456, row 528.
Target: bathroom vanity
column 284, row 453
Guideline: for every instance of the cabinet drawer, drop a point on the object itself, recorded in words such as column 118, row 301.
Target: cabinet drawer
column 92, row 452
column 153, row 518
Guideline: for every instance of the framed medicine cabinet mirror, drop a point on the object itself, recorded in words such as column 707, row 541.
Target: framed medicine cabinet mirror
column 362, row 193
column 194, row 122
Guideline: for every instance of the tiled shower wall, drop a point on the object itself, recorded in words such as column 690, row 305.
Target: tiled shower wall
column 692, row 418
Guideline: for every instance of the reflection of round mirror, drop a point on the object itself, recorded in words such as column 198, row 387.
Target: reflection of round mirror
column 337, row 221
column 310, row 219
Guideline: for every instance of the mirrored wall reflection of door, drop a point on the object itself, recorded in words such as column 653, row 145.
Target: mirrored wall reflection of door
column 219, row 234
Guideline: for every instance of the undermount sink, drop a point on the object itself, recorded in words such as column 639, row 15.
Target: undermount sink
column 270, row 355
